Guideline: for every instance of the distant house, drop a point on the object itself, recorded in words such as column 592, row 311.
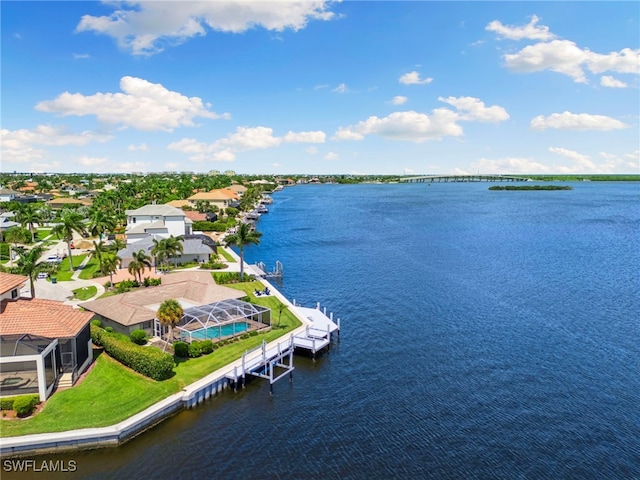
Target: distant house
column 137, row 309
column 221, row 198
column 195, row 248
column 239, row 189
column 61, row 202
column 160, row 221
column 7, row 195
column 42, row 342
column 6, row 221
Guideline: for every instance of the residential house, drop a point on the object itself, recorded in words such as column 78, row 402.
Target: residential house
column 42, row 342
column 195, row 248
column 8, row 195
column 221, row 197
column 137, row 309
column 159, row 221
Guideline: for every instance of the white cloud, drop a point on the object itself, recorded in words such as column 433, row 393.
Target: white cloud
column 332, row 156
column 304, row 137
column 320, row 87
column 576, row 121
column 419, row 127
column 138, row 148
column 562, row 56
column 312, row 150
column 244, row 139
column 277, row 165
column 91, row 162
column 342, row 88
column 143, row 105
column 607, row 81
column 625, row 61
column 413, row 78
column 81, row 56
column 508, row 166
column 399, row 100
column 565, row 57
column 475, row 109
column 172, row 166
column 411, row 125
column 20, row 146
column 146, row 28
column 530, row 31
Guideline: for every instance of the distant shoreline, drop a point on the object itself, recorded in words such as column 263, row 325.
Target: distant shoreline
column 531, row 187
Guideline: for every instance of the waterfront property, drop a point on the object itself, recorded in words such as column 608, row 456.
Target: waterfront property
column 137, row 309
column 159, row 221
column 218, row 320
column 195, row 248
column 43, row 343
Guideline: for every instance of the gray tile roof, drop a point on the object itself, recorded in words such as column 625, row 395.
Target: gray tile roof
column 160, row 210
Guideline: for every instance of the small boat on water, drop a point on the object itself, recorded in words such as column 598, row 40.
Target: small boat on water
column 262, row 209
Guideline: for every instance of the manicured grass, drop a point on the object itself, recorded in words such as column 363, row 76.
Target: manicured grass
column 112, row 393
column 227, row 256
column 85, row 293
column 90, row 269
column 42, row 233
column 64, row 274
column 109, row 394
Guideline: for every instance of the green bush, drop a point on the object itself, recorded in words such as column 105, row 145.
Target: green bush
column 181, row 349
column 139, row 337
column 232, row 277
column 7, row 403
column 24, row 405
column 150, row 362
column 244, row 336
column 195, row 350
column 96, row 322
column 206, row 346
column 213, row 265
column 109, row 329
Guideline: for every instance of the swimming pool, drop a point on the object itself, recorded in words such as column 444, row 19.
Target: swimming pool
column 216, row 332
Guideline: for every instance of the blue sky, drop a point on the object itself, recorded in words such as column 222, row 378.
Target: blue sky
column 321, row 87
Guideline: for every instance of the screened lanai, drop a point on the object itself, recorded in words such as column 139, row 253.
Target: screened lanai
column 219, row 320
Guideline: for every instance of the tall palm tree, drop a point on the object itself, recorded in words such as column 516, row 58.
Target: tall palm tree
column 244, row 236
column 29, row 266
column 117, row 244
column 99, row 249
column 169, row 314
column 100, row 221
column 139, row 263
column 15, row 235
column 70, row 222
column 166, row 248
column 109, row 265
column 28, row 217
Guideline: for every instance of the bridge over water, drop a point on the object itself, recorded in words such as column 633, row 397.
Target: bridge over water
column 464, row 178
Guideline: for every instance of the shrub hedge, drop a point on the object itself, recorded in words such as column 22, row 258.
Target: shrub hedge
column 24, row 405
column 150, row 362
column 206, row 346
column 8, row 402
column 181, row 349
column 139, row 337
column 195, row 350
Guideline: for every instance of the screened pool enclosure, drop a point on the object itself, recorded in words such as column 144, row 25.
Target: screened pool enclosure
column 217, row 321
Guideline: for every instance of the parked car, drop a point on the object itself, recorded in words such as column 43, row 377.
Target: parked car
column 43, row 275
column 54, row 259
column 72, row 246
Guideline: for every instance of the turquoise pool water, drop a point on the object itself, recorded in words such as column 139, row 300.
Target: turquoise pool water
column 216, row 332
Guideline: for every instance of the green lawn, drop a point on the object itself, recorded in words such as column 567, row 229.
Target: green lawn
column 108, row 395
column 90, row 269
column 42, row 233
column 64, row 274
column 111, row 392
column 227, row 256
column 85, row 293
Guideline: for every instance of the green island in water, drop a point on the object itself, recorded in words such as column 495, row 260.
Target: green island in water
column 530, row 187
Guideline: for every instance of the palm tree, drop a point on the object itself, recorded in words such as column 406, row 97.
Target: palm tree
column 101, row 222
column 109, row 265
column 139, row 263
column 29, row 266
column 70, row 222
column 117, row 244
column 99, row 249
column 28, row 217
column 166, row 248
column 169, row 314
column 15, row 235
column 243, row 236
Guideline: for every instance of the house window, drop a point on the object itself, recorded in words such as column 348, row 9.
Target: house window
column 133, row 220
column 14, row 293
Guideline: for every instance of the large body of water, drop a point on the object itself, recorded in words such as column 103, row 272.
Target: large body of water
column 484, row 335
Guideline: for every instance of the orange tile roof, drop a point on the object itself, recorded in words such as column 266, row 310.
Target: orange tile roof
column 9, row 281
column 195, row 216
column 46, row 318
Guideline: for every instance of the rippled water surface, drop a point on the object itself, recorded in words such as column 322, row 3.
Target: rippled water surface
column 484, row 335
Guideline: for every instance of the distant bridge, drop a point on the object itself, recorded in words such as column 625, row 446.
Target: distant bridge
column 464, row 178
